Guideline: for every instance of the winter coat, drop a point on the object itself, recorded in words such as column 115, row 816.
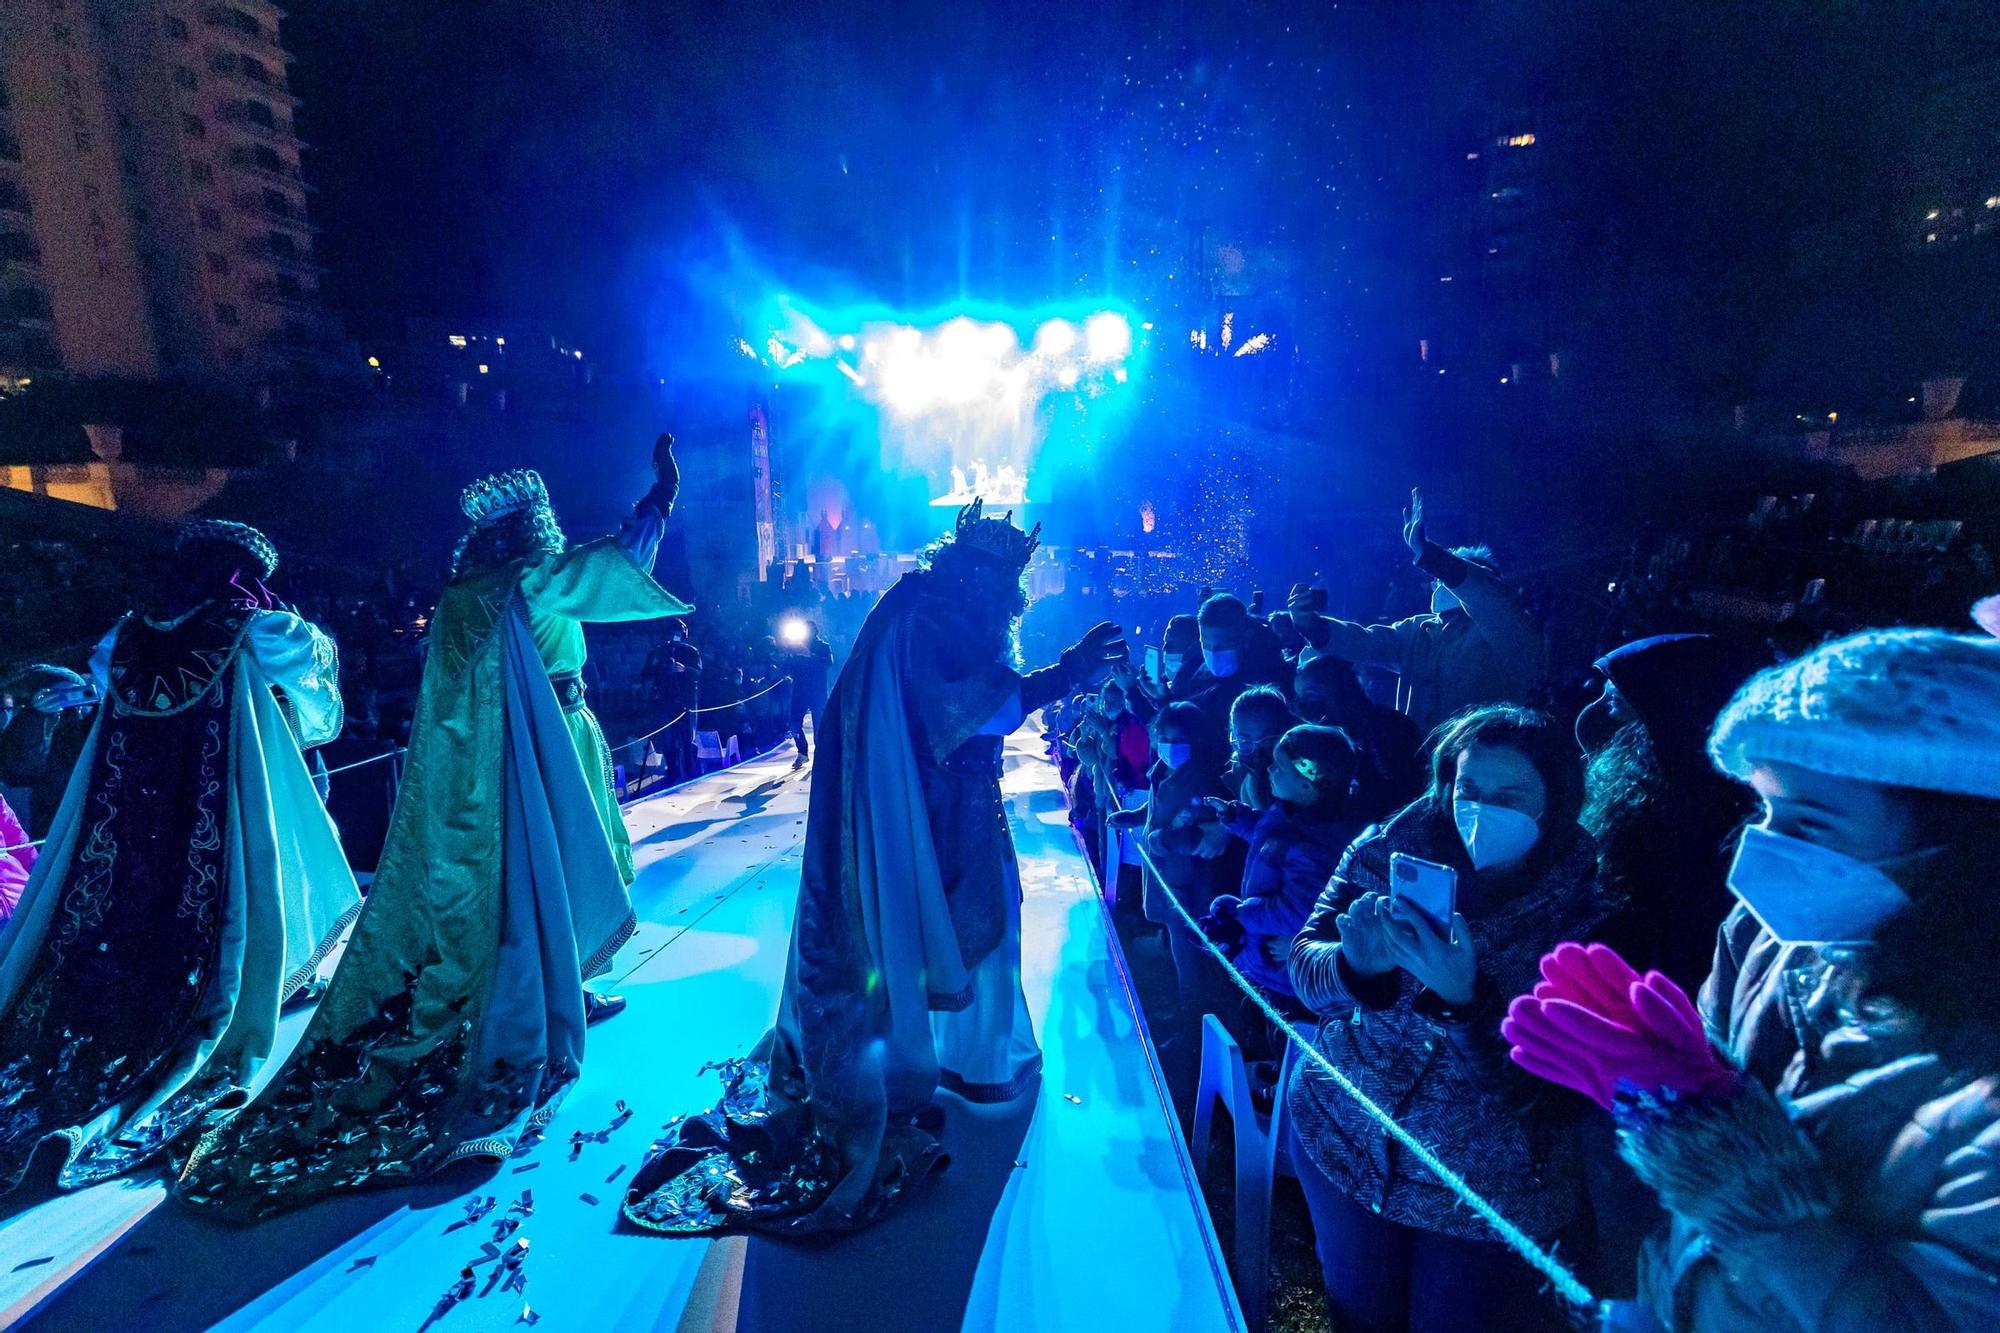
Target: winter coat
column 1289, row 861
column 1443, row 1072
column 1859, row 1191
column 1489, row 651
column 1173, row 808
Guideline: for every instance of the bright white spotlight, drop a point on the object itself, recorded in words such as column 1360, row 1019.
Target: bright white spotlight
column 1107, row 336
column 794, row 632
column 1066, row 377
column 846, row 342
column 1055, row 337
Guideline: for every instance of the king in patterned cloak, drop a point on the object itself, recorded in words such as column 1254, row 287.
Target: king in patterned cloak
column 455, row 1022
column 905, row 966
column 191, row 881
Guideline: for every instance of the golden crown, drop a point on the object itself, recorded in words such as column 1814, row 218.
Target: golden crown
column 996, row 537
column 493, row 498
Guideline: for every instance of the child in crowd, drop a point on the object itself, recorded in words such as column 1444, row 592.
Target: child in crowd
column 1294, row 844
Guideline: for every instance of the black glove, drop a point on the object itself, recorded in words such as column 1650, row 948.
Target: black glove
column 1094, row 655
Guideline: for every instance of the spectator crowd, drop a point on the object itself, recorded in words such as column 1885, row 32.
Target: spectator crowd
column 1685, row 973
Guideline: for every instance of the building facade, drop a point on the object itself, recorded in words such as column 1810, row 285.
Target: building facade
column 153, row 215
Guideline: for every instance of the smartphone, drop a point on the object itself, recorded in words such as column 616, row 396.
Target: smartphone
column 1427, row 886
column 1156, row 666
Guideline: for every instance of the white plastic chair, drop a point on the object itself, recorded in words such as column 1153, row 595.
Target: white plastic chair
column 1260, row 1155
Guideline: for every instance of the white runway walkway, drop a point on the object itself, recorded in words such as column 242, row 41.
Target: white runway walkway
column 1078, row 1211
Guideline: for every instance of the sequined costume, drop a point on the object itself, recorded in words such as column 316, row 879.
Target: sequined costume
column 191, row 882
column 456, row 1020
column 904, row 972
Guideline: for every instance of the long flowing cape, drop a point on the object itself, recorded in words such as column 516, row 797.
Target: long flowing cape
column 191, row 882
column 455, row 1022
column 817, row 1129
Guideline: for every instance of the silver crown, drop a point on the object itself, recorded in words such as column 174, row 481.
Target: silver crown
column 253, row 543
column 493, row 498
column 997, row 537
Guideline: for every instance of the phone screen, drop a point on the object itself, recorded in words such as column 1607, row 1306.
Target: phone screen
column 1156, row 666
column 1427, row 886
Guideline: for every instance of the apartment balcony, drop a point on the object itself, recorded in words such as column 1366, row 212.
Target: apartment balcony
column 243, row 26
column 243, row 158
column 289, row 214
column 293, row 297
column 257, row 118
column 19, row 251
column 287, row 259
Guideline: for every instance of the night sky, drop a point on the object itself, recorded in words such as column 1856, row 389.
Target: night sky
column 1722, row 182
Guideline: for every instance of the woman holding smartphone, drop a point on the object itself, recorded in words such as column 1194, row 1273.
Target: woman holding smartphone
column 1410, row 1008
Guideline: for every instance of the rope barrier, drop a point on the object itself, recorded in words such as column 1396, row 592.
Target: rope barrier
column 695, row 712
column 363, row 763
column 1566, row 1283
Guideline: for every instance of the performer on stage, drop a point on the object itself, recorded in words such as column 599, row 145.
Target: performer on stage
column 192, row 880
column 905, row 971
column 455, row 1022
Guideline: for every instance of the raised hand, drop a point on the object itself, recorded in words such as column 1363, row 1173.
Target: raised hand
column 1413, row 522
column 666, row 471
column 1095, row 654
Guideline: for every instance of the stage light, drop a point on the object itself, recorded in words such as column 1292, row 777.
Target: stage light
column 794, row 632
column 846, row 342
column 1066, row 377
column 1055, row 337
column 1107, row 336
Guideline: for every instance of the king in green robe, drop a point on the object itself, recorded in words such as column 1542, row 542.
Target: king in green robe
column 455, row 1022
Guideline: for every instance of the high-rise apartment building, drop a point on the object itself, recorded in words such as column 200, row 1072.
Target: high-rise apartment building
column 153, row 217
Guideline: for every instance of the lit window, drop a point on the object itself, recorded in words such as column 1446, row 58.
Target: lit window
column 578, row 354
column 1931, row 216
column 458, row 340
column 499, row 342
column 1930, row 236
column 1517, row 140
column 1993, row 201
column 374, row 363
column 482, row 367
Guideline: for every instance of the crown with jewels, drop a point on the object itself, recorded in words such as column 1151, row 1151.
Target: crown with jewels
column 253, row 543
column 493, row 498
column 995, row 537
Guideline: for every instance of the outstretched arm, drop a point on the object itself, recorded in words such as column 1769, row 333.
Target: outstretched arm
column 640, row 534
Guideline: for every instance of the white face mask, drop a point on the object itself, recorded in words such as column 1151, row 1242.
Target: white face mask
column 1222, row 663
column 1808, row 894
column 1494, row 835
column 1443, row 599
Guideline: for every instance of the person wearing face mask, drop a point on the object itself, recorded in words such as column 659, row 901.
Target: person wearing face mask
column 1238, row 653
column 1257, row 719
column 1388, row 747
column 1186, row 774
column 1180, row 658
column 1410, row 1009
column 1822, row 1128
column 1292, row 846
column 1478, row 644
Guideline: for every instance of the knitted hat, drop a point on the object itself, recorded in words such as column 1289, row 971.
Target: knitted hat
column 1900, row 707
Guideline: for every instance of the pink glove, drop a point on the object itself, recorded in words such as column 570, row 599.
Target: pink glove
column 1583, row 1029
